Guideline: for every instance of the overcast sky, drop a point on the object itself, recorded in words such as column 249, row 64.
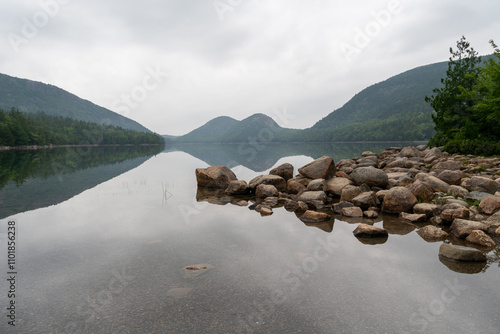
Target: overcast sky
column 172, row 65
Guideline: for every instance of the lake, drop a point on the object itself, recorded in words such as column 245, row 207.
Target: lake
column 104, row 236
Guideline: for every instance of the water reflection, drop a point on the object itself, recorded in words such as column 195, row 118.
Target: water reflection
column 31, row 179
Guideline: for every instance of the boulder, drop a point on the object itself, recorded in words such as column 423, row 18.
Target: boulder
column 370, row 176
column 322, row 168
column 315, row 217
column 266, row 190
column 458, row 191
column 434, row 152
column 450, row 215
column 409, row 152
column 353, row 211
column 349, row 193
column 437, row 184
column 461, row 228
column 285, row 171
column 365, row 200
column 273, row 180
column 369, row 231
column 217, row 177
column 483, row 184
column 447, row 164
column 337, row 208
column 432, row 233
column 336, row 184
column 311, row 196
column 490, row 205
column 422, row 191
column 237, row 187
column 480, row 238
column 317, row 185
column 461, row 253
column 428, row 209
column 452, row 177
column 399, row 199
column 294, row 187
column 413, row 217
column 370, row 214
column 476, row 196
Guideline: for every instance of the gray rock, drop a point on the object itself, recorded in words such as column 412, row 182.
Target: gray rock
column 461, row 228
column 452, row 177
column 476, row 196
column 370, row 214
column 370, row 176
column 317, row 185
column 450, row 215
column 322, row 168
column 217, row 177
column 409, row 152
column 309, row 196
column 447, row 164
column 437, row 184
column 426, row 208
column 458, row 191
column 482, row 184
column 434, row 152
column 461, row 253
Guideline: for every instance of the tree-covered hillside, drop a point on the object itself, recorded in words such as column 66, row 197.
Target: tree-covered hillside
column 20, row 129
column 31, row 97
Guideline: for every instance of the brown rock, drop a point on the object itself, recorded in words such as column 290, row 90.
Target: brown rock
column 432, row 233
column 314, row 217
column 426, row 208
column 349, row 193
column 237, row 187
column 217, row 177
column 365, row 200
column 352, row 212
column 461, row 228
column 301, row 208
column 447, row 164
column 266, row 190
column 480, row 238
column 423, row 192
column 452, row 177
column 337, row 208
column 490, row 205
column 369, row 231
column 294, row 186
column 336, row 184
column 413, row 217
column 450, row 215
column 436, row 184
column 266, row 211
column 309, row 196
column 322, row 168
column 285, row 171
column 458, row 191
column 370, row 214
column 273, row 180
column 398, row 199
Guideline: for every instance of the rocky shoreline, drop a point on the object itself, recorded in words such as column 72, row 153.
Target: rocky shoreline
column 450, row 198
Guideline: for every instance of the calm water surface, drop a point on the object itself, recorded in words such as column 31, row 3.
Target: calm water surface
column 111, row 259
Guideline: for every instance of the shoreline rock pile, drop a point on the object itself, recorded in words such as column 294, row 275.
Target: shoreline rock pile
column 455, row 196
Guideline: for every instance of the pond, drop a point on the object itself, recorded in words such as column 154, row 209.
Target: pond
column 114, row 241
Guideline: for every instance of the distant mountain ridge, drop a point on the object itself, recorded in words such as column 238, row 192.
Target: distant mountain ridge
column 32, row 96
column 391, row 110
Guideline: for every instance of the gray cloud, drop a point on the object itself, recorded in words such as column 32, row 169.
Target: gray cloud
column 261, row 56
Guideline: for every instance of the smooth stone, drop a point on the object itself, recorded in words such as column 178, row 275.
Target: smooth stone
column 353, row 211
column 369, row 231
column 315, row 217
column 461, row 253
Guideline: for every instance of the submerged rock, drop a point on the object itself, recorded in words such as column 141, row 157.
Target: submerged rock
column 461, row 253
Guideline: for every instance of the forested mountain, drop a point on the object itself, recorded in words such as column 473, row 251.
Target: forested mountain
column 392, row 110
column 258, row 127
column 31, row 97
